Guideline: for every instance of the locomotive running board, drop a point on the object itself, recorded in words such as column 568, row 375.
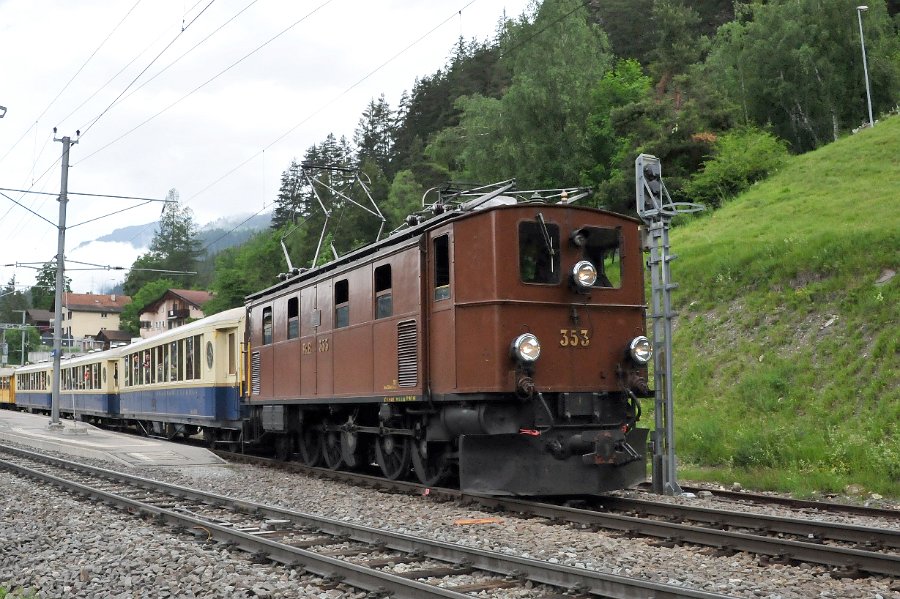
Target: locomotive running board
column 519, row 464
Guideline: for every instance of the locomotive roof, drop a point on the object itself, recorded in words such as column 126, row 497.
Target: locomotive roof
column 408, row 235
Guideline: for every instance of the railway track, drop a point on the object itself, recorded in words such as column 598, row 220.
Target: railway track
column 849, row 550
column 795, row 504
column 363, row 557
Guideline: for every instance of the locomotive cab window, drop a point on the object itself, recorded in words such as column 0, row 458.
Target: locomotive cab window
column 602, row 247
column 341, row 304
column 293, row 322
column 539, row 252
column 442, row 267
column 267, row 326
column 383, row 300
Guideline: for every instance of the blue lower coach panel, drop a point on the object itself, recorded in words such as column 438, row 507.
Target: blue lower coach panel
column 202, row 406
column 92, row 404
column 33, row 400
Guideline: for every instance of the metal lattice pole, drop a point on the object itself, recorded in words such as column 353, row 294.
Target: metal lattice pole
column 656, row 209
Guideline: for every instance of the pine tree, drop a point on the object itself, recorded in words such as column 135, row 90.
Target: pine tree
column 175, row 247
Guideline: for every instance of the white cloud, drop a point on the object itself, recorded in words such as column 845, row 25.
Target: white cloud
column 313, row 76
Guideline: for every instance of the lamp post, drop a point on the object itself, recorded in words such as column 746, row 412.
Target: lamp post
column 859, row 11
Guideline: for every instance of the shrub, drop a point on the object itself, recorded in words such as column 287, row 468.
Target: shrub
column 740, row 158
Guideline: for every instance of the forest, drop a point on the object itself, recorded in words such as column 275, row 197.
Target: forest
column 568, row 94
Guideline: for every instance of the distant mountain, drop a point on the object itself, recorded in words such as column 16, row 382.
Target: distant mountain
column 230, row 231
column 222, row 233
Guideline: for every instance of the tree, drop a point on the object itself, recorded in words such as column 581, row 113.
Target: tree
column 43, row 293
column 243, row 270
column 174, row 247
column 797, row 66
column 537, row 131
column 374, row 135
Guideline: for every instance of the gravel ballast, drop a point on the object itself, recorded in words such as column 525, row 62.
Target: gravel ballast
column 67, row 547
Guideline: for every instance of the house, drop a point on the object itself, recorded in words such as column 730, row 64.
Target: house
column 42, row 320
column 172, row 309
column 84, row 314
column 113, row 338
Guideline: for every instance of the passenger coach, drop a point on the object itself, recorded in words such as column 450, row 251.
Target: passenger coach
column 7, row 388
column 186, row 379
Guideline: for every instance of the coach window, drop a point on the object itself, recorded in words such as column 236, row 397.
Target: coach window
column 232, row 358
column 341, row 304
column 383, row 302
column 539, row 252
column 189, row 358
column 602, row 246
column 293, row 318
column 442, row 267
column 267, row 326
column 175, row 355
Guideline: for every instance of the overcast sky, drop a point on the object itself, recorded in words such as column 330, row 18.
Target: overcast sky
column 222, row 140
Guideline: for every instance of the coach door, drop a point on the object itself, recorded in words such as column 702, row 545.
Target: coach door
column 309, row 323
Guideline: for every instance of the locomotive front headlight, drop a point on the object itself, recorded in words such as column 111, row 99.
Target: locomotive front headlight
column 584, row 274
column 640, row 349
column 526, row 348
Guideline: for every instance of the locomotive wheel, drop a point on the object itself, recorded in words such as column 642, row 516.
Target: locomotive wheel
column 430, row 461
column 311, row 443
column 353, row 450
column 331, row 449
column 393, row 454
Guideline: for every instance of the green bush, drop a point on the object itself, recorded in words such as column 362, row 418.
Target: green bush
column 740, row 158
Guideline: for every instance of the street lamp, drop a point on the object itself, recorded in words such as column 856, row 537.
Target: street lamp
column 859, row 11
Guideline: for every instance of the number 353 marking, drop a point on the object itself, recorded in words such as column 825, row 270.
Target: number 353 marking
column 574, row 338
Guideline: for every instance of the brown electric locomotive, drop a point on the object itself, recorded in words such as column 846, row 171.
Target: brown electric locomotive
column 500, row 339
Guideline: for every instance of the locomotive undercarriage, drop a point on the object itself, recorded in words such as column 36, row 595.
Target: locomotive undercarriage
column 549, row 444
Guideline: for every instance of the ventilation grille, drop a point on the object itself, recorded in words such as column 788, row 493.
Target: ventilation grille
column 407, row 354
column 254, row 373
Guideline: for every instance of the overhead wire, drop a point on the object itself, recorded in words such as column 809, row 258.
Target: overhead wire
column 71, row 79
column 333, row 100
column 161, row 52
column 189, row 50
column 211, row 79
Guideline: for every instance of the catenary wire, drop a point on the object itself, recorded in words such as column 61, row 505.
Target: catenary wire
column 169, row 45
column 69, row 82
column 210, row 80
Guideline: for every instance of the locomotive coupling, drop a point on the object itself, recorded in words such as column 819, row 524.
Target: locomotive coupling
column 607, row 447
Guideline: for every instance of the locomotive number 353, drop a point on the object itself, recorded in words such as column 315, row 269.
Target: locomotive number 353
column 574, row 338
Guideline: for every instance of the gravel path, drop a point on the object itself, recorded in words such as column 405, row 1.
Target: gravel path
column 73, row 548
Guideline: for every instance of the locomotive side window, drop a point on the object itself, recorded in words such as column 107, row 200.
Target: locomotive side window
column 383, row 301
column 602, row 246
column 267, row 326
column 341, row 304
column 442, row 267
column 539, row 252
column 293, row 318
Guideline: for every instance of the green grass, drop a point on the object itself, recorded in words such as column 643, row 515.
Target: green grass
column 786, row 350
column 18, row 593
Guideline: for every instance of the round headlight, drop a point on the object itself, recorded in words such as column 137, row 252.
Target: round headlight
column 584, row 274
column 641, row 349
column 526, row 348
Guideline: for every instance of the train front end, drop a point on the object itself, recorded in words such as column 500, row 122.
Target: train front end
column 551, row 351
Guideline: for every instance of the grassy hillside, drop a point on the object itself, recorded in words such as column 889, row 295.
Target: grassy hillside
column 786, row 348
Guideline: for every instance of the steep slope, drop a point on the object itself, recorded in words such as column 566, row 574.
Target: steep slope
column 786, row 348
